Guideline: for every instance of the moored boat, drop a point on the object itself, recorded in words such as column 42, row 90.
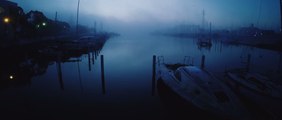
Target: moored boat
column 254, row 82
column 257, row 89
column 204, row 42
column 203, row 90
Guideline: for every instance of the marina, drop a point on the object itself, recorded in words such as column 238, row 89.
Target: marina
column 76, row 81
column 139, row 60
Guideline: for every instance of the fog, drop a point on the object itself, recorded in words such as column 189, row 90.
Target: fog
column 150, row 15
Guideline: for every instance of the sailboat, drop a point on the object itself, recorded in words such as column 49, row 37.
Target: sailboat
column 243, row 79
column 204, row 40
column 257, row 88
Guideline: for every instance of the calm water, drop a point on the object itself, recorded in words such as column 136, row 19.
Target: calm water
column 127, row 93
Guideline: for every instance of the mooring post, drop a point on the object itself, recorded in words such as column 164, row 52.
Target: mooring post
column 89, row 61
column 96, row 54
column 154, row 75
column 203, row 62
column 93, row 59
column 103, row 75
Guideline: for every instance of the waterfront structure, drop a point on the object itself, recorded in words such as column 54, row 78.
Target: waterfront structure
column 12, row 17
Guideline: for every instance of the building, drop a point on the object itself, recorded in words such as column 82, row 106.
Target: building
column 40, row 25
column 16, row 25
column 250, row 31
column 11, row 16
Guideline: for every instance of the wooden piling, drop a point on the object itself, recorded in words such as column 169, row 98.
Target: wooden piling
column 103, row 75
column 96, row 54
column 93, row 58
column 89, row 62
column 154, row 75
column 203, row 62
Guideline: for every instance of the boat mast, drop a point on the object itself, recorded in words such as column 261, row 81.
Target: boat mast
column 203, row 22
column 210, row 33
column 77, row 15
column 281, row 16
column 56, row 17
column 210, row 28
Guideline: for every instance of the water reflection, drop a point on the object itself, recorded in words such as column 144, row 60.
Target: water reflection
column 204, row 45
column 18, row 67
column 103, row 75
column 127, row 82
column 79, row 77
column 60, row 76
column 154, row 75
column 22, row 63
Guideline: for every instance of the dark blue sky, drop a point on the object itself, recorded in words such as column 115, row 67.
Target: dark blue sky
column 222, row 13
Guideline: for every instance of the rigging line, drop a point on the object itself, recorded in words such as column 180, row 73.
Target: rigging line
column 259, row 12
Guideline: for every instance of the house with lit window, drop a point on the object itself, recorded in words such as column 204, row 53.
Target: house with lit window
column 11, row 16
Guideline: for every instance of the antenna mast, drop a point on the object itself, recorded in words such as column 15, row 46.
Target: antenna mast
column 77, row 15
column 281, row 16
column 203, row 22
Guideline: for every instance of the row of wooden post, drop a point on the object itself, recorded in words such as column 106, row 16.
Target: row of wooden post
column 103, row 71
column 59, row 70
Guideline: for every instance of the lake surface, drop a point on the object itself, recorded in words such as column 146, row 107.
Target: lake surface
column 74, row 89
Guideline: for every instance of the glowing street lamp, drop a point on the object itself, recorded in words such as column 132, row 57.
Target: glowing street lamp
column 6, row 20
column 11, row 77
column 44, row 24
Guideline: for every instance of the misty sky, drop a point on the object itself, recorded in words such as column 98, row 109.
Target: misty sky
column 222, row 13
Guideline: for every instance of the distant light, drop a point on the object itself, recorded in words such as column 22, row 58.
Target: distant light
column 44, row 23
column 6, row 20
column 11, row 77
column 37, row 26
